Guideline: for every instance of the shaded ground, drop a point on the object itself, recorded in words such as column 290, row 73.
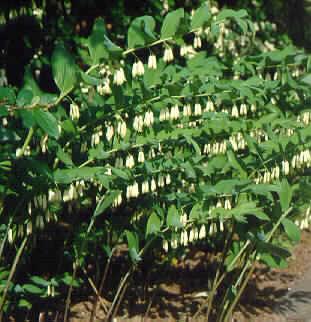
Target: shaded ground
column 176, row 295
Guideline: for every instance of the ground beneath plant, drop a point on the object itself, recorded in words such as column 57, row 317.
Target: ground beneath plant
column 272, row 295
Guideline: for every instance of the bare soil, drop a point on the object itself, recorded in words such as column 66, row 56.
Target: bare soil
column 176, row 294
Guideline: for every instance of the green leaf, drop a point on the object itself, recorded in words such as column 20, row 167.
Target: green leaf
column 24, row 304
column 201, row 17
column 132, row 239
column 7, row 96
column 47, row 122
column 291, row 230
column 105, row 202
column 68, row 280
column 39, row 281
column 235, row 163
column 30, row 288
column 196, row 211
column 70, row 175
column 229, row 13
column 24, row 97
column 98, row 152
column 189, row 170
column 30, row 83
column 133, row 245
column 307, row 79
column 173, row 218
column 172, row 23
column 64, row 69
column 195, row 145
column 90, row 80
column 285, row 194
column 120, row 173
column 249, row 208
column 273, row 261
column 100, row 46
column 140, row 32
column 153, row 224
column 64, row 157
column 272, row 249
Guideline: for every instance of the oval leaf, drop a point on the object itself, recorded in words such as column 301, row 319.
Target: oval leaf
column 47, row 122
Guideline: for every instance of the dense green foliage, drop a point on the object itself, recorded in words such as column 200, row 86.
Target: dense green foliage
column 195, row 129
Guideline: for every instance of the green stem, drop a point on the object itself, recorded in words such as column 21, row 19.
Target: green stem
column 157, row 42
column 255, row 259
column 237, row 297
column 68, row 299
column 116, row 297
column 6, row 234
column 26, row 143
column 100, row 290
column 231, row 265
column 12, row 272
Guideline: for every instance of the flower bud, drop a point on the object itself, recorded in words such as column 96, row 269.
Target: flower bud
column 153, row 186
column 168, row 54
column 145, row 187
column 197, row 43
column 4, row 122
column 109, row 133
column 121, row 129
column 191, row 236
column 140, row 68
column 227, row 204
column 74, row 111
column 183, row 50
column 119, row 77
column 29, row 228
column 152, row 62
column 235, row 111
column 161, row 182
column 197, row 109
column 285, row 167
column 174, row 243
column 202, row 232
column 149, row 118
column 138, row 123
column 165, row 245
column 253, row 108
column 210, row 106
column 10, row 236
column 129, row 162
column 141, row 156
column 243, row 109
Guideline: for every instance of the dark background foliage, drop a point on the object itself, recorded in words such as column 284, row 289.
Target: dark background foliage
column 23, row 33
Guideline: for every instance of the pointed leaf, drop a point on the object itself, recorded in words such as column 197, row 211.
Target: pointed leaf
column 140, row 32
column 64, row 69
column 291, row 230
column 173, row 218
column 171, row 23
column 47, row 122
column 105, row 202
column 153, row 224
column 201, row 17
